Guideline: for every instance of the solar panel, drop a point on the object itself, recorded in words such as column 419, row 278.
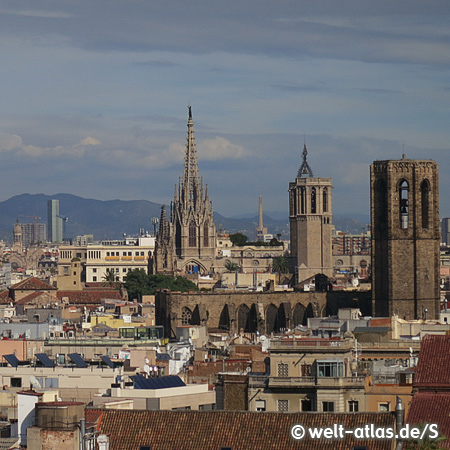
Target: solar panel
column 45, row 360
column 78, row 360
column 108, row 361
column 141, row 382
column 12, row 360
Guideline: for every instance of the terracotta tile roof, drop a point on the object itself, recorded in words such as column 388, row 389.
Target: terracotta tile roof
column 431, row 407
column 433, row 368
column 211, row 430
column 89, row 297
column 30, row 297
column 32, row 284
column 5, row 298
column 92, row 416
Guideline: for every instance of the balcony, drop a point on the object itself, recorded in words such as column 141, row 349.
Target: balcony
column 316, row 382
column 310, row 345
column 112, row 258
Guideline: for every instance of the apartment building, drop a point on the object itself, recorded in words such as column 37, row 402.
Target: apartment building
column 90, row 263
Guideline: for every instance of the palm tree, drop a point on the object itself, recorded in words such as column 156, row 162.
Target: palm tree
column 231, row 266
column 280, row 265
column 109, row 279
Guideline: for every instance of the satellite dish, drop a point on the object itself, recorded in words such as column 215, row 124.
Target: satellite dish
column 248, row 369
column 147, row 369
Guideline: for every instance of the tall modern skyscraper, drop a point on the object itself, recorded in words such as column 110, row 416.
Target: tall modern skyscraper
column 310, row 216
column 55, row 223
column 405, row 238
column 186, row 243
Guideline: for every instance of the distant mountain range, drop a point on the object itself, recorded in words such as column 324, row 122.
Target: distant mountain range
column 111, row 219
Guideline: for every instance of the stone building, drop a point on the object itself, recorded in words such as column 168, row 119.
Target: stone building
column 310, row 213
column 405, row 238
column 186, row 241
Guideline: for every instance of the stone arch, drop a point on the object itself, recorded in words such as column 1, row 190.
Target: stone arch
column 243, row 314
column 194, row 266
column 299, row 314
column 225, row 319
column 186, row 316
column 271, row 318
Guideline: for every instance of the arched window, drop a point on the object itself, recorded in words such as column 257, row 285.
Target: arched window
column 425, row 194
column 192, row 235
column 303, row 200
column 325, row 200
column 186, row 316
column 313, row 201
column 206, row 235
column 404, row 204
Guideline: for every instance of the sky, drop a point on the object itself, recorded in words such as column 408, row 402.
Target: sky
column 94, row 96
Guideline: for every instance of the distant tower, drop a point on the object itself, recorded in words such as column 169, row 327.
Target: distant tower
column 310, row 215
column 187, row 243
column 261, row 230
column 17, row 239
column 405, row 238
column 55, row 224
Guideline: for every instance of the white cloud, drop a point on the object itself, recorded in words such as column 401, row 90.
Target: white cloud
column 88, row 141
column 221, row 148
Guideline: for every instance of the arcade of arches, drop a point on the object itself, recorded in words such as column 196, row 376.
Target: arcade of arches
column 248, row 312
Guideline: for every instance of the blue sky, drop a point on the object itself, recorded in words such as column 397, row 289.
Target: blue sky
column 94, row 96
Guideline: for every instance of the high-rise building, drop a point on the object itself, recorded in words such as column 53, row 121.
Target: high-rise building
column 55, row 223
column 405, row 238
column 445, row 231
column 33, row 234
column 310, row 215
column 186, row 242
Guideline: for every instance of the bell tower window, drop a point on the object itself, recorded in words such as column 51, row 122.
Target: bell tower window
column 313, row 201
column 404, row 204
column 425, row 194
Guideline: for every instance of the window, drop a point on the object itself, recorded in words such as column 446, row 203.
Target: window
column 283, row 370
column 260, row 405
column 306, row 370
column 328, row 406
column 16, row 382
column 186, row 316
column 384, row 407
column 124, row 269
column 330, row 369
column 192, row 235
column 425, row 194
column 353, row 406
column 313, row 201
column 404, row 204
column 303, row 200
column 306, row 404
column 94, row 278
column 283, row 405
column 94, row 270
column 325, row 200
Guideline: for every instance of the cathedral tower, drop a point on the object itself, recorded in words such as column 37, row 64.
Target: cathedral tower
column 310, row 216
column 187, row 243
column 405, row 238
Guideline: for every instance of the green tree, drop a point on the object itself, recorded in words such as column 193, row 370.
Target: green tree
column 280, row 265
column 109, row 279
column 231, row 266
column 238, row 239
column 139, row 283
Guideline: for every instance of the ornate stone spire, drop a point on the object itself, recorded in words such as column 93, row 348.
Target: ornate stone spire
column 305, row 169
column 190, row 183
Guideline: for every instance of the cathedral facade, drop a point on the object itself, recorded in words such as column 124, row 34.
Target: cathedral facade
column 186, row 241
